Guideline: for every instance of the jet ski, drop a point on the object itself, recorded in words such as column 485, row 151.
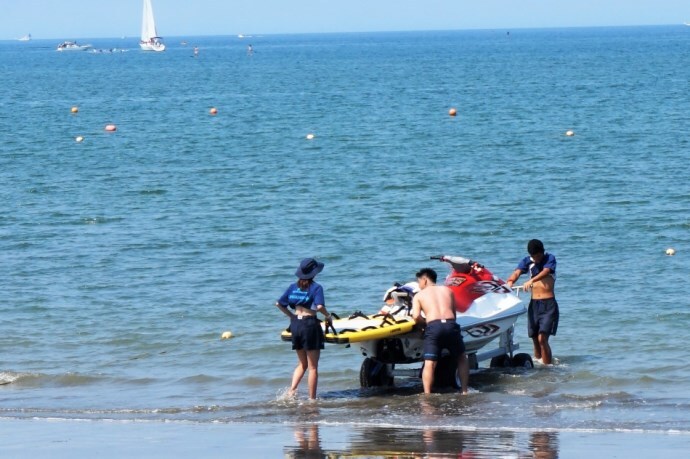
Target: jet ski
column 487, row 310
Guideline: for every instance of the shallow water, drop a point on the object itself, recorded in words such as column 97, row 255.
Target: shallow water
column 65, row 438
column 125, row 256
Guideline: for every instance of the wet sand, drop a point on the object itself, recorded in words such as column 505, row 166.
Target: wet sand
column 40, row 438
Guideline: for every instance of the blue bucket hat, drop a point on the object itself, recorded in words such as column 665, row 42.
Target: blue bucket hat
column 308, row 268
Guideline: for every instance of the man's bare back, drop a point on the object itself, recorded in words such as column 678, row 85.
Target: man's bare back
column 436, row 301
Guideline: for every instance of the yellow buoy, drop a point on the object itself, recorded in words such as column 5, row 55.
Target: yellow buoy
column 75, row 109
column 310, row 136
column 670, row 251
column 569, row 133
column 452, row 112
column 79, row 138
column 226, row 335
column 213, row 111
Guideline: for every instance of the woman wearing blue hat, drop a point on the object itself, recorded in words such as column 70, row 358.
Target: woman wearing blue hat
column 305, row 297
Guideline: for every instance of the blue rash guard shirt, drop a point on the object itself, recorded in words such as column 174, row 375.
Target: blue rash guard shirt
column 293, row 296
column 527, row 264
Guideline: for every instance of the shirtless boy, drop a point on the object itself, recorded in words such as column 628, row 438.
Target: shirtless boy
column 442, row 331
column 542, row 320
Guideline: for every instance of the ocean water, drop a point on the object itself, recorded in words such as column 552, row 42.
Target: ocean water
column 125, row 256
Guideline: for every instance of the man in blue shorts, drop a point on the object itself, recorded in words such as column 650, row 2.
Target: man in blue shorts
column 442, row 331
column 542, row 314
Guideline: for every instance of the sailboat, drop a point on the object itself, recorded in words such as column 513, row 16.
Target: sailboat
column 150, row 41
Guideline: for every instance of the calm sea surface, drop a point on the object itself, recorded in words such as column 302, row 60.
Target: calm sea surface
column 124, row 257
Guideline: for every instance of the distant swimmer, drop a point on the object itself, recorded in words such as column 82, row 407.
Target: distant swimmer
column 250, row 50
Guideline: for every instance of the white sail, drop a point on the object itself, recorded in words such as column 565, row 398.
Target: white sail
column 148, row 25
column 150, row 41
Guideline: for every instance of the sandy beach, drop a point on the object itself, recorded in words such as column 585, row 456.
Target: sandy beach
column 53, row 439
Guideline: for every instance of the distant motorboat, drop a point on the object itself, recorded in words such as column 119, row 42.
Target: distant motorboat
column 26, row 37
column 72, row 46
column 150, row 41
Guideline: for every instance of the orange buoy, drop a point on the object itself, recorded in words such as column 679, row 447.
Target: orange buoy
column 74, row 109
column 110, row 127
column 213, row 111
column 452, row 112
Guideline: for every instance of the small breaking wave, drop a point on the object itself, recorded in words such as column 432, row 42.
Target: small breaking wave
column 26, row 379
column 8, row 377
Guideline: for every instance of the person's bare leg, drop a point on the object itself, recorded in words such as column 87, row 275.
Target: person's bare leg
column 313, row 378
column 428, row 375
column 464, row 372
column 546, row 356
column 537, row 346
column 301, row 367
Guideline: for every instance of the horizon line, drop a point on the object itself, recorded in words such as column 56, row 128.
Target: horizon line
column 259, row 34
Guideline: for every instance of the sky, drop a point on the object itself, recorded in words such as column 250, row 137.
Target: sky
column 72, row 19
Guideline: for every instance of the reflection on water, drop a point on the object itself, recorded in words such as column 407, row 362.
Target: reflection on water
column 307, row 438
column 544, row 445
column 308, row 443
column 389, row 442
column 433, row 435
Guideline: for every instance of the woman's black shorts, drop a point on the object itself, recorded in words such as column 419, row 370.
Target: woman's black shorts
column 307, row 333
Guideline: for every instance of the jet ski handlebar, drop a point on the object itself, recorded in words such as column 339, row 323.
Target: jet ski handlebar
column 457, row 260
column 460, row 264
